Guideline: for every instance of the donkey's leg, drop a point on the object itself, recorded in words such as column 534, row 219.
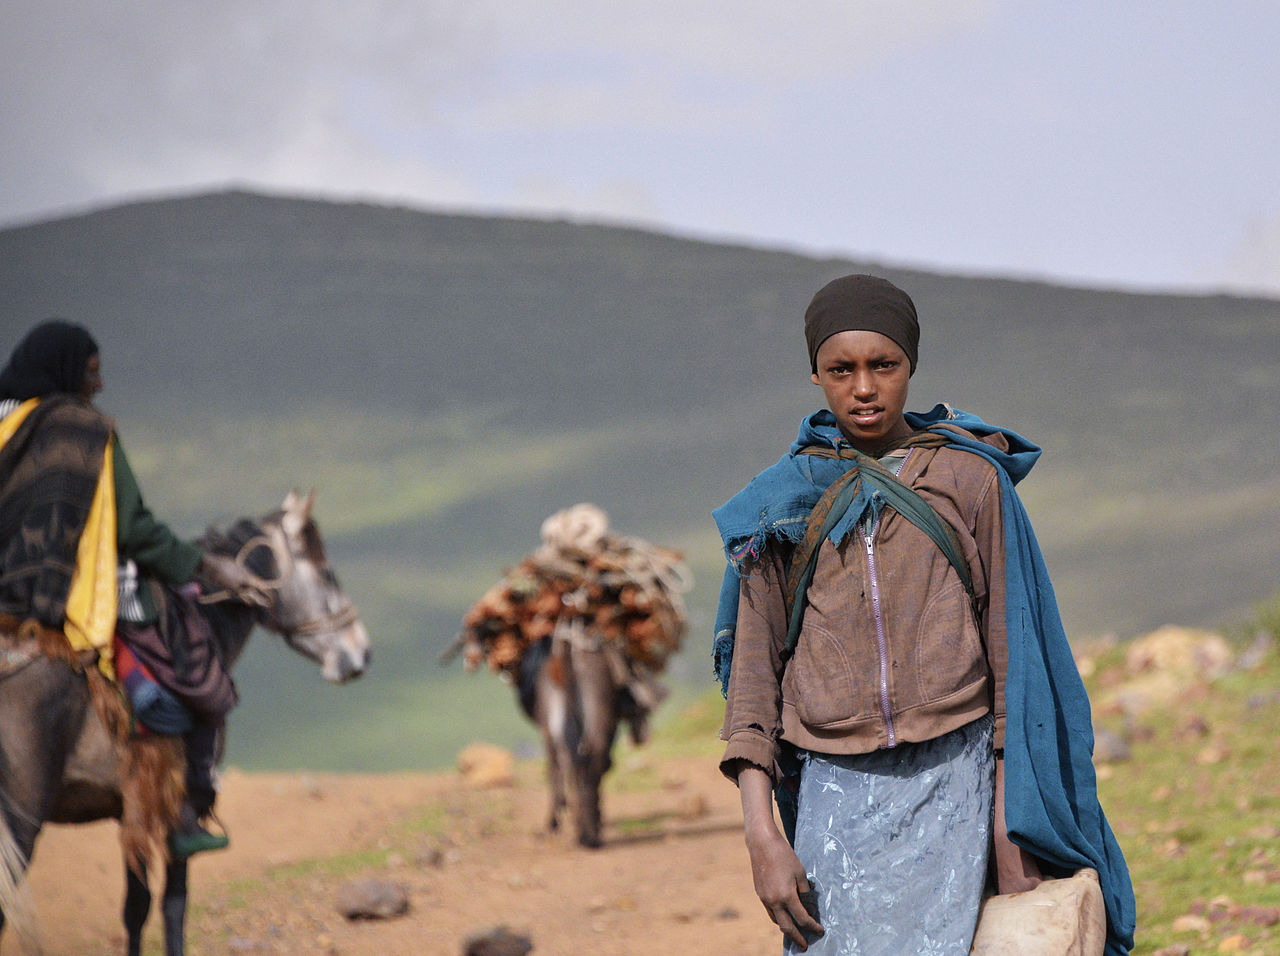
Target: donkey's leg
column 41, row 712
column 17, row 840
column 137, row 906
column 596, row 701
column 555, row 721
column 174, row 907
column 555, row 780
column 546, row 697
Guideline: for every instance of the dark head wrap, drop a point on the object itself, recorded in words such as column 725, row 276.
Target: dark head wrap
column 861, row 302
column 52, row 358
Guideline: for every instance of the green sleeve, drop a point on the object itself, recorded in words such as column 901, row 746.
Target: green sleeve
column 141, row 537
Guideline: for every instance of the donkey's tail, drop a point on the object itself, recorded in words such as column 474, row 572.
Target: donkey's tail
column 16, row 908
column 152, row 782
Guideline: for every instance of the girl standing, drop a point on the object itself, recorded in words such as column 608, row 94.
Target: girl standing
column 893, row 656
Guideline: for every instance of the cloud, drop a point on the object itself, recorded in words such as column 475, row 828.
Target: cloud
column 108, row 97
column 743, row 41
column 1254, row 263
column 973, row 134
column 105, row 97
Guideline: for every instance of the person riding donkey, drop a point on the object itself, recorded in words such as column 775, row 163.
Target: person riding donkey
column 75, row 536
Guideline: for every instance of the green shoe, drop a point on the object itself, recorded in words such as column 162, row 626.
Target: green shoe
column 184, row 844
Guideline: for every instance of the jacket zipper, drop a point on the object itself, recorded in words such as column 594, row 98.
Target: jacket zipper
column 882, row 642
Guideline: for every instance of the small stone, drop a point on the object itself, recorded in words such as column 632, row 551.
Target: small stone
column 485, row 765
column 1192, row 728
column 1190, row 924
column 372, row 899
column 1261, row 915
column 1214, row 753
column 431, row 856
column 498, row 941
column 1109, row 747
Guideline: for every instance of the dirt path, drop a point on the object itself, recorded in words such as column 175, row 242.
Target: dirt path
column 671, row 879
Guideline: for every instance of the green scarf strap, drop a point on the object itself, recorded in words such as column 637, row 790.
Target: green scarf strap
column 833, row 504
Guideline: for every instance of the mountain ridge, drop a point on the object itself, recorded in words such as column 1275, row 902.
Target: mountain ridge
column 448, row 380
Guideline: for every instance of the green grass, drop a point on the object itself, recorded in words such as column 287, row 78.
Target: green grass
column 377, row 471
column 1197, row 809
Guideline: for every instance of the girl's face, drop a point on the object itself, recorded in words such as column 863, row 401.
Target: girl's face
column 864, row 376
column 92, row 383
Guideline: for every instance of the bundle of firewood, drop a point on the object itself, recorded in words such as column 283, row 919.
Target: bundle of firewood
column 621, row 589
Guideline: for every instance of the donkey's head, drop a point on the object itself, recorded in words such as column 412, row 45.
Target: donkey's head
column 307, row 605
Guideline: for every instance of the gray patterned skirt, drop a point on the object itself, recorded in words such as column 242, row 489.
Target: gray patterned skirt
column 896, row 844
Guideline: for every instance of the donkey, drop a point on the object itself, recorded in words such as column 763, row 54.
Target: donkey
column 58, row 761
column 577, row 687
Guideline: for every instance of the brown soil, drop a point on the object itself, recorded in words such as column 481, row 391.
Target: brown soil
column 672, row 878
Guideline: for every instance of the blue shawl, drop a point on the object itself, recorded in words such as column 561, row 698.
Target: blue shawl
column 1051, row 800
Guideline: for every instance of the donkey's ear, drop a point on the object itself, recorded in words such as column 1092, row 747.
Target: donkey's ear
column 295, row 514
column 309, row 503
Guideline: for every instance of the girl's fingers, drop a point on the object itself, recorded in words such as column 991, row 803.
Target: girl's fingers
column 795, row 922
column 782, row 917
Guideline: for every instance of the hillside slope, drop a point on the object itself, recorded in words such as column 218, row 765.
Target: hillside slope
column 448, row 381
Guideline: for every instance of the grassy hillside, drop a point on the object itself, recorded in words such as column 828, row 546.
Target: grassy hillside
column 448, row 381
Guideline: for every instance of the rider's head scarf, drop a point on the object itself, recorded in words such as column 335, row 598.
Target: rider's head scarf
column 52, row 358
column 862, row 302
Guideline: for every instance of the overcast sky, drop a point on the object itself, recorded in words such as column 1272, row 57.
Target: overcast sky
column 1130, row 143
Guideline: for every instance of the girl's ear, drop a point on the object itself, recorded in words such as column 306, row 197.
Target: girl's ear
column 814, row 378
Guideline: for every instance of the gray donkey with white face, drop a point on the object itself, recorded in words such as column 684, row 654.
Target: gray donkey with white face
column 60, row 762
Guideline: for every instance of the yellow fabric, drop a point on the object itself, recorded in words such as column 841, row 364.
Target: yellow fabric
column 9, row 424
column 91, row 605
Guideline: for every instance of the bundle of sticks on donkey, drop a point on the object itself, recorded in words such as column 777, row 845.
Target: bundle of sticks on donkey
column 582, row 627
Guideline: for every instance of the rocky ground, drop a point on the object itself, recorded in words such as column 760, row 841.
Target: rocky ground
column 672, row 878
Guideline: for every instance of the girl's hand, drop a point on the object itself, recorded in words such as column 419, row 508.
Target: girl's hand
column 775, row 869
column 779, row 880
